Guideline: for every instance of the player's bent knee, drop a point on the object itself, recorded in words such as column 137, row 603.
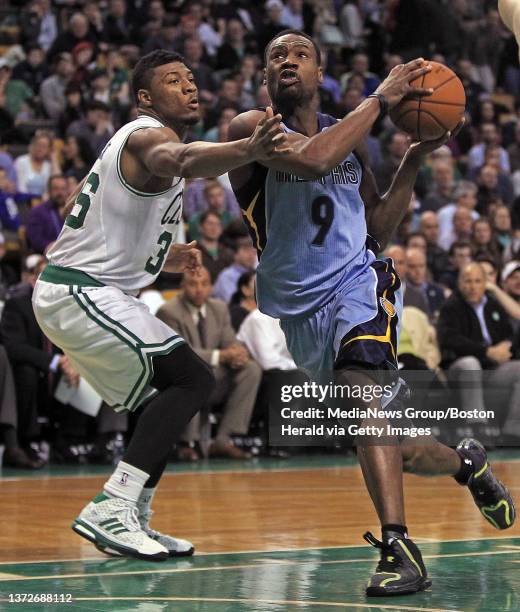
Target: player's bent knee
column 183, row 368
column 468, row 363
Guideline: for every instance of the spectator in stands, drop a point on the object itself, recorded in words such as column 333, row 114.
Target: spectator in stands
column 483, row 242
column 215, row 257
column 203, row 74
column 394, row 149
column 10, row 201
column 464, row 196
column 52, row 90
column 96, row 127
column 460, row 255
column 511, row 279
column 473, row 88
column 420, row 292
column 215, row 197
column 418, row 348
column 8, row 275
column 78, row 157
column 265, row 341
column 33, row 69
column 489, row 136
column 243, row 300
column 437, row 258
column 462, row 224
column 501, row 224
column 488, row 189
column 475, row 335
column 273, row 23
column 168, row 37
column 14, row 455
column 45, row 221
column 74, row 108
column 118, row 28
column 441, row 189
column 34, row 169
column 236, row 45
column 34, row 360
column 360, row 67
column 38, row 24
column 504, row 182
column 14, row 94
column 78, row 30
column 292, row 15
column 195, row 200
column 205, row 324
column 513, row 150
column 245, row 260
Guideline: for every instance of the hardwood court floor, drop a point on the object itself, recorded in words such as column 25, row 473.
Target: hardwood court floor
column 270, row 536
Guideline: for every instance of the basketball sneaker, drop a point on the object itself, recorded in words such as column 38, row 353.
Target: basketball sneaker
column 491, row 497
column 112, row 524
column 400, row 570
column 175, row 546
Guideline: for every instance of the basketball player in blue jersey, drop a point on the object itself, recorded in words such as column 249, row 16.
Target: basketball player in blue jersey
column 338, row 306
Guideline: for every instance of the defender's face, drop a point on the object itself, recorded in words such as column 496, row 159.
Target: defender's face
column 173, row 94
column 292, row 72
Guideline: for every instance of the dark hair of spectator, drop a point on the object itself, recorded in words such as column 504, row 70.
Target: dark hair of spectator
column 414, row 235
column 143, row 71
column 86, row 152
column 206, row 214
column 487, row 259
column 459, row 244
column 55, row 177
column 243, row 281
column 299, row 33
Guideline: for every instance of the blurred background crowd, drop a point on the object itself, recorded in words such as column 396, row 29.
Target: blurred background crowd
column 64, row 90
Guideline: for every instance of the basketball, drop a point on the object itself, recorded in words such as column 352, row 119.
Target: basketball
column 429, row 117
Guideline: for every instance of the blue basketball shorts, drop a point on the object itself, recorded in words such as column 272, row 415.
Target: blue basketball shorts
column 359, row 327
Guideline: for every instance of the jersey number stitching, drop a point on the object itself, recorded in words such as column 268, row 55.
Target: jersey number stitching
column 322, row 214
column 83, row 200
column 165, row 240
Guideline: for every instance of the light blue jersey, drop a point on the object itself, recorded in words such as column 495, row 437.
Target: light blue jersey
column 310, row 234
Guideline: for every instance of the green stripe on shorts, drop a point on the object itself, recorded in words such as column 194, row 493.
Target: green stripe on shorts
column 68, row 276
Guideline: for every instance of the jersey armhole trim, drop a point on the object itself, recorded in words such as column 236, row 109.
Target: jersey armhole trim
column 122, row 180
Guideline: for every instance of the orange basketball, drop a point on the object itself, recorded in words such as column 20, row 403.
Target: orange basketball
column 428, row 117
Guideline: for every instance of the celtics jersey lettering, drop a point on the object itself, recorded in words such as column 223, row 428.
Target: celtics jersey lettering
column 310, row 234
column 116, row 233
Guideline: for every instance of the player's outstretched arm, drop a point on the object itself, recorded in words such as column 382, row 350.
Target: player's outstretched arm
column 316, row 156
column 161, row 154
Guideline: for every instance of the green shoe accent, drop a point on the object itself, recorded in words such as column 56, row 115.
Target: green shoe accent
column 387, row 580
column 482, row 470
column 100, row 497
column 491, row 509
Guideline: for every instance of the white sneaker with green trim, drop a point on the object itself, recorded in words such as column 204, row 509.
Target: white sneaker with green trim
column 112, row 524
column 176, row 547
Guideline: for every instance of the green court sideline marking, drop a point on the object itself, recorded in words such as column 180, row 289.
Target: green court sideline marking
column 331, row 604
column 245, row 566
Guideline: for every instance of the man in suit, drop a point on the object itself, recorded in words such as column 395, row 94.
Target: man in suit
column 475, row 334
column 431, row 295
column 32, row 357
column 45, row 221
column 206, row 325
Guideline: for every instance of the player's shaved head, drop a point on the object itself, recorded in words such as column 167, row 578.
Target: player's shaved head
column 296, row 33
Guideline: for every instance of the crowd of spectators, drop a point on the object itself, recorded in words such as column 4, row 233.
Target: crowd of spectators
column 65, row 69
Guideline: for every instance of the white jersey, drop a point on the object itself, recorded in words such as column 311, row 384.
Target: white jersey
column 118, row 235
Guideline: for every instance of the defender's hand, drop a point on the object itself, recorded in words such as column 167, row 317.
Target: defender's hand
column 397, row 84
column 268, row 140
column 183, row 258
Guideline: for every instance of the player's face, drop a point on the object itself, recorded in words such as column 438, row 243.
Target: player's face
column 173, row 94
column 293, row 74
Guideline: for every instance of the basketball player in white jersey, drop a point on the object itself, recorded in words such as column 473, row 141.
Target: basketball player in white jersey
column 116, row 239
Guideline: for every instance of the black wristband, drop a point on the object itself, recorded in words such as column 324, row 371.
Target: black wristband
column 383, row 104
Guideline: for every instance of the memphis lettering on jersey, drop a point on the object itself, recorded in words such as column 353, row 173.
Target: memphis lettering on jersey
column 344, row 174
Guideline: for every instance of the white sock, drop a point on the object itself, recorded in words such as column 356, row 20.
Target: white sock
column 145, row 499
column 127, row 482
